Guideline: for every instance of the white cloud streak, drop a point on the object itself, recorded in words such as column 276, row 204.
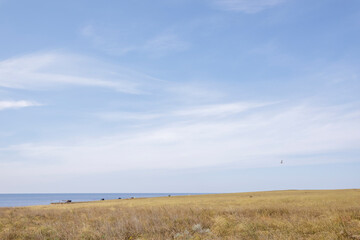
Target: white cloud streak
column 51, row 70
column 159, row 45
column 247, row 6
column 217, row 110
column 16, row 104
column 257, row 137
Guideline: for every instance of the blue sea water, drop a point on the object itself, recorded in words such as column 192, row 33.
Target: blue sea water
column 20, row 200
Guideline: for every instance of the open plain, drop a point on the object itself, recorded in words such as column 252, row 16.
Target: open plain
column 323, row 214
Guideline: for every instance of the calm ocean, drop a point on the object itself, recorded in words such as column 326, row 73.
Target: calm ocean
column 18, row 200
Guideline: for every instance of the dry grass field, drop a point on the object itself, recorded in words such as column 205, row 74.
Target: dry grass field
column 324, row 214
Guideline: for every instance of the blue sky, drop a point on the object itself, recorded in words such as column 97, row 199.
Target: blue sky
column 179, row 95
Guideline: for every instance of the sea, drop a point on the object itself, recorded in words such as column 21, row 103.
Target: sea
column 30, row 199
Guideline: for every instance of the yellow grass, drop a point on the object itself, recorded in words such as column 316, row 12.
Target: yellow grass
column 331, row 214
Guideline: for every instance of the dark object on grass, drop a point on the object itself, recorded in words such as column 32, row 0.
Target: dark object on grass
column 132, row 198
column 169, row 195
column 250, row 196
column 119, row 198
column 102, row 199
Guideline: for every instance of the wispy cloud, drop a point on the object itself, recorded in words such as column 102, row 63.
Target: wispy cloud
column 17, row 104
column 104, row 41
column 209, row 110
column 219, row 109
column 159, row 45
column 247, row 6
column 165, row 43
column 119, row 116
column 49, row 70
column 88, row 31
column 255, row 138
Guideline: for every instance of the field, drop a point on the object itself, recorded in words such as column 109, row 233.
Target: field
column 327, row 214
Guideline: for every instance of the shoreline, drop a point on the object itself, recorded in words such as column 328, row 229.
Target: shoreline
column 94, row 197
column 58, row 202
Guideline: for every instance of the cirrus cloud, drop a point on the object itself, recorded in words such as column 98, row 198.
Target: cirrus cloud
column 247, row 6
column 16, row 104
column 54, row 69
column 256, row 137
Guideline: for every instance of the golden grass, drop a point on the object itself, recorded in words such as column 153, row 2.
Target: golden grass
column 333, row 214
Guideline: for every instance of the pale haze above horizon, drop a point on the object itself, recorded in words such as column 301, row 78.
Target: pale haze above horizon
column 179, row 95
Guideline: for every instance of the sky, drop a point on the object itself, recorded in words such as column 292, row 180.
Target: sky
column 179, row 95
